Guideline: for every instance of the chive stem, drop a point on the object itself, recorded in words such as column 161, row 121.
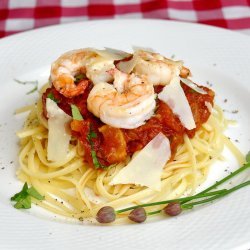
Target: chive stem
column 213, row 196
column 154, row 212
column 218, row 183
column 197, row 196
column 218, row 195
column 203, row 194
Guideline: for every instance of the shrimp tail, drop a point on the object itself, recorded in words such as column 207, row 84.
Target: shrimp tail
column 68, row 90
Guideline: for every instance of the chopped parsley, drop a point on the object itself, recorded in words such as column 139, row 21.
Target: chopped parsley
column 96, row 162
column 95, row 159
column 35, row 83
column 79, row 77
column 52, row 97
column 76, row 113
column 33, row 192
column 32, row 91
column 91, row 135
column 23, row 198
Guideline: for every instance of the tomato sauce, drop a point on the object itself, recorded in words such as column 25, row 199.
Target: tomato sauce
column 110, row 145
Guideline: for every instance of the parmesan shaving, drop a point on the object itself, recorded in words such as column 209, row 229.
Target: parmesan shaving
column 58, row 138
column 111, row 54
column 193, row 86
column 146, row 167
column 174, row 96
column 127, row 66
column 135, row 48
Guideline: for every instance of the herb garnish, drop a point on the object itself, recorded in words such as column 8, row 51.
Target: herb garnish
column 35, row 83
column 96, row 162
column 91, row 135
column 95, row 159
column 33, row 192
column 52, row 97
column 175, row 206
column 23, row 198
column 79, row 77
column 32, row 91
column 76, row 113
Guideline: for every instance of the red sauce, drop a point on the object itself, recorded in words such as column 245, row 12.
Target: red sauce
column 112, row 145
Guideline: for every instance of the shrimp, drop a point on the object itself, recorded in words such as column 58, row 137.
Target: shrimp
column 127, row 103
column 64, row 70
column 158, row 69
column 79, row 62
column 97, row 69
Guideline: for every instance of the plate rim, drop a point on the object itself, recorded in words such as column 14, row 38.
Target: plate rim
column 14, row 36
column 123, row 20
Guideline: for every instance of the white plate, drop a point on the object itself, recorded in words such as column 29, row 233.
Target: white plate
column 215, row 55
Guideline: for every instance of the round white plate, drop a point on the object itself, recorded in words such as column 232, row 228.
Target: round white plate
column 215, row 56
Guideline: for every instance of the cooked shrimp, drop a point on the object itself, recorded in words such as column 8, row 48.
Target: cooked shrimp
column 127, row 103
column 97, row 69
column 158, row 69
column 83, row 61
column 185, row 72
column 64, row 70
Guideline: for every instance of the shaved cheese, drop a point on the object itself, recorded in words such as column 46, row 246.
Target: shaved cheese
column 193, row 86
column 117, row 52
column 135, row 48
column 111, row 54
column 127, row 66
column 145, row 168
column 174, row 96
column 209, row 106
column 58, row 138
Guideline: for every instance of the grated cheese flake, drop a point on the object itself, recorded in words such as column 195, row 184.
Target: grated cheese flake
column 146, row 167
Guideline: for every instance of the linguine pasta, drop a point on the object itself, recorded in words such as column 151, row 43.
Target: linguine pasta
column 73, row 189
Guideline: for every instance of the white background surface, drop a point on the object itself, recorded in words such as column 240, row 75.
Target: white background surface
column 215, row 55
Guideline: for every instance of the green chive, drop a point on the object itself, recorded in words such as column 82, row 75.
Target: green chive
column 154, row 212
column 248, row 157
column 244, row 184
column 218, row 183
column 197, row 196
